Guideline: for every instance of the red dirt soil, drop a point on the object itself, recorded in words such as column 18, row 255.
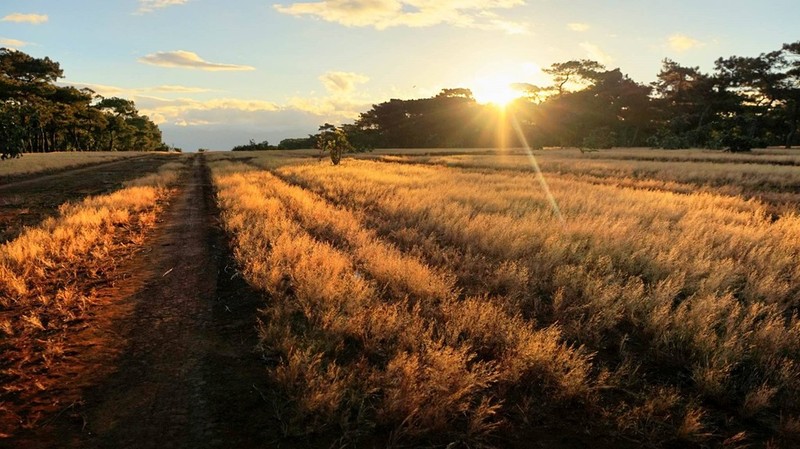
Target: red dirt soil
column 168, row 360
column 30, row 200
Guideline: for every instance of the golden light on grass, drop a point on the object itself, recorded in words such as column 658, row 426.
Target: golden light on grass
column 49, row 272
column 429, row 361
column 41, row 162
column 475, row 264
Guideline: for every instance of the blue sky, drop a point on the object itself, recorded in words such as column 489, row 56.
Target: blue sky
column 217, row 73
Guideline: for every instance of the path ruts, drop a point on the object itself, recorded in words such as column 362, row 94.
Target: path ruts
column 29, row 201
column 171, row 362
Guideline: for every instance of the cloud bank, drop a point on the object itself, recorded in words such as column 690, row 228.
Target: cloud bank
column 342, row 83
column 596, row 53
column 579, row 27
column 382, row 14
column 221, row 123
column 115, row 91
column 188, row 60
column 12, row 43
column 33, row 19
column 682, row 42
column 146, row 6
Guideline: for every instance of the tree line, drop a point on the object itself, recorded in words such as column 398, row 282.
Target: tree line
column 745, row 102
column 39, row 116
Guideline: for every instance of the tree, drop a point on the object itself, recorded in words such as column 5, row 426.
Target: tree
column 36, row 115
column 254, row 146
column 577, row 72
column 746, row 101
column 333, row 140
column 300, row 143
column 22, row 75
column 685, row 100
column 126, row 130
column 790, row 90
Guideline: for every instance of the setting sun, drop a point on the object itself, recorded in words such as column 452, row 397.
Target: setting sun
column 399, row 223
column 496, row 90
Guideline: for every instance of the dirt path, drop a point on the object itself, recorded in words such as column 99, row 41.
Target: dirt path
column 169, row 362
column 22, row 180
column 28, row 202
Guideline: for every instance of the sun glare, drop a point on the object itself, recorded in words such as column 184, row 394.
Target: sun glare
column 495, row 90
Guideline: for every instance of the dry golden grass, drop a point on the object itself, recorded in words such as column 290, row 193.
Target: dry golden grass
column 47, row 274
column 42, row 162
column 731, row 174
column 696, row 293
column 361, row 329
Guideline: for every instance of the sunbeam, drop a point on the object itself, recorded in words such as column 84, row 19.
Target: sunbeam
column 539, row 175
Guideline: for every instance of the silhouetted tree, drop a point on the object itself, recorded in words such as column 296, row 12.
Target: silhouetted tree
column 333, row 140
column 254, row 146
column 746, row 101
column 36, row 115
column 301, row 143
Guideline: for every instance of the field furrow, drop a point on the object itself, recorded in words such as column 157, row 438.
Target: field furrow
column 29, row 202
column 48, row 275
column 701, row 291
column 358, row 328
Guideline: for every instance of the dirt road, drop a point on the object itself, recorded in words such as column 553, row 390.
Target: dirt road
column 27, row 202
column 169, row 361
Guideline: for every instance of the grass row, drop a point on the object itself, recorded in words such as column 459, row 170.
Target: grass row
column 369, row 341
column 690, row 300
column 43, row 162
column 47, row 276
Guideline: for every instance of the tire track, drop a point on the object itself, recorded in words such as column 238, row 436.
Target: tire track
column 170, row 363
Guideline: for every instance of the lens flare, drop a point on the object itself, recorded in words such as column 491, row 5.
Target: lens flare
column 539, row 176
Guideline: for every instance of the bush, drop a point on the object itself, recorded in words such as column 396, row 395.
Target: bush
column 333, row 140
column 668, row 141
column 600, row 138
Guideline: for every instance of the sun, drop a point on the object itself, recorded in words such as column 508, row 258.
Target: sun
column 496, row 90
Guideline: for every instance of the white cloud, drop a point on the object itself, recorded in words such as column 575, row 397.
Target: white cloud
column 178, row 89
column 34, row 19
column 382, row 14
column 596, row 53
column 329, row 109
column 186, row 110
column 577, row 26
column 222, row 122
column 342, row 83
column 682, row 42
column 146, row 6
column 188, row 60
column 116, row 91
column 12, row 43
column 185, row 123
column 342, row 103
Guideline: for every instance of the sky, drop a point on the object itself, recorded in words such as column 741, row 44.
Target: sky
column 214, row 74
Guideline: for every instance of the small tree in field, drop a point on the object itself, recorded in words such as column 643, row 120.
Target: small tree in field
column 333, row 140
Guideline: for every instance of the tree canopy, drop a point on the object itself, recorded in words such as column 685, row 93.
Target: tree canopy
column 38, row 115
column 254, row 146
column 745, row 102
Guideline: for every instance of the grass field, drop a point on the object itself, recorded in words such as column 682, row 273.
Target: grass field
column 43, row 162
column 648, row 297
column 406, row 298
column 48, row 275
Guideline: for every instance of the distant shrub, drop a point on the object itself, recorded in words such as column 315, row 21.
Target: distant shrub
column 300, row 143
column 668, row 141
column 254, row 146
column 600, row 138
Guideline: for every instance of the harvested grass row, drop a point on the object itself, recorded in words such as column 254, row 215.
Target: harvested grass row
column 363, row 331
column 43, row 162
column 729, row 176
column 47, row 275
column 699, row 291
